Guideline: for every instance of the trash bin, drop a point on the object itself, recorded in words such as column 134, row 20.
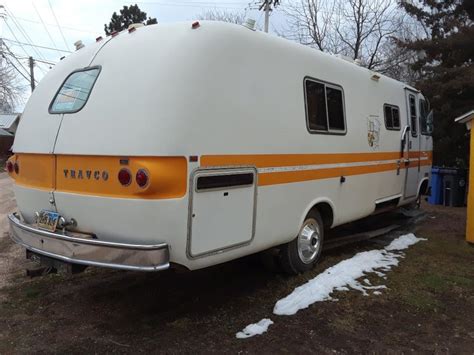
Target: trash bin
column 436, row 197
column 454, row 187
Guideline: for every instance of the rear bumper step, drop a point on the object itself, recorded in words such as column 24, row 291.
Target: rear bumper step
column 86, row 251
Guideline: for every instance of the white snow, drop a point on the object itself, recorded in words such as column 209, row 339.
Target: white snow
column 403, row 242
column 255, row 329
column 346, row 274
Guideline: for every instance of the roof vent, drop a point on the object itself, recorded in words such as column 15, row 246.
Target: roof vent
column 250, row 24
column 135, row 25
column 78, row 45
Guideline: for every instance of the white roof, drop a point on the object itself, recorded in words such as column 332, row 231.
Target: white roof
column 4, row 133
column 465, row 117
column 7, row 120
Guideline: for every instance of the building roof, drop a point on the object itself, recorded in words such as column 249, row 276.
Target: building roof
column 8, row 120
column 4, row 133
column 466, row 118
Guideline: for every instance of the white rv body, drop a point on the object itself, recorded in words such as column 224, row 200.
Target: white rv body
column 218, row 99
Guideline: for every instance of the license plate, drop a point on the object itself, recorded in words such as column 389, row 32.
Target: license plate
column 48, row 220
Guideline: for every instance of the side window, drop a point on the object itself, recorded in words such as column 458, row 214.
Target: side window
column 324, row 108
column 74, row 92
column 392, row 117
column 413, row 123
column 424, row 124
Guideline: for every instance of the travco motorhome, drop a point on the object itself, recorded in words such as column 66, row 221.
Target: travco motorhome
column 195, row 144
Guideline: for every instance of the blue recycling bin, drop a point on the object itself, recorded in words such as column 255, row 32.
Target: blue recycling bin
column 436, row 197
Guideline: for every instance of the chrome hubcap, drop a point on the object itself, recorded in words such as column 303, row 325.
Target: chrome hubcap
column 309, row 241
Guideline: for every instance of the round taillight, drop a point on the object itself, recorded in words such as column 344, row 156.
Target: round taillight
column 125, row 177
column 10, row 167
column 142, row 178
column 16, row 167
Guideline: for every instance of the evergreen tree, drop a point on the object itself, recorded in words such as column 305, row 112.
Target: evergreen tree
column 128, row 15
column 446, row 73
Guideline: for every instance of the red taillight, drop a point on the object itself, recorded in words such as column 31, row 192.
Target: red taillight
column 10, row 167
column 125, row 177
column 16, row 167
column 142, row 178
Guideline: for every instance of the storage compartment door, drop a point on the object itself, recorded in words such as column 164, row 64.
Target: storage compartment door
column 222, row 211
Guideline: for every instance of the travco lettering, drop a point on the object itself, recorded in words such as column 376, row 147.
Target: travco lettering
column 86, row 174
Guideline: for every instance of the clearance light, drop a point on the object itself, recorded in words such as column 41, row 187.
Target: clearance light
column 142, row 178
column 10, row 167
column 125, row 177
column 16, row 167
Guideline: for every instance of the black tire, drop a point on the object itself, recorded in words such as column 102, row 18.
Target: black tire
column 290, row 260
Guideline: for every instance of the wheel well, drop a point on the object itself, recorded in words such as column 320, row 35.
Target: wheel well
column 325, row 210
column 423, row 188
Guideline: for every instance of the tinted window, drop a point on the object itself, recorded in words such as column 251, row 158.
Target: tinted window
column 425, row 126
column 392, row 117
column 396, row 117
column 335, row 109
column 316, row 106
column 414, row 127
column 73, row 94
column 324, row 107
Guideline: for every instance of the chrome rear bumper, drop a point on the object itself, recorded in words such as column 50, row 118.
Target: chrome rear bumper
column 82, row 249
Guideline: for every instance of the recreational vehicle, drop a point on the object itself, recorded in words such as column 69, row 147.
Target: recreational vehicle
column 192, row 144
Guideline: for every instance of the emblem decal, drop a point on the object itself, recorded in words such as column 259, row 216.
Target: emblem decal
column 86, row 174
column 373, row 132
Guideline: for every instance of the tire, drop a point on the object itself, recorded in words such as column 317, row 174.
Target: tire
column 303, row 252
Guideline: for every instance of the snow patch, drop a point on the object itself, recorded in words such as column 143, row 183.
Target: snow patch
column 346, row 274
column 403, row 242
column 255, row 329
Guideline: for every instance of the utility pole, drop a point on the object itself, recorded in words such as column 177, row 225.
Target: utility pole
column 32, row 73
column 267, row 7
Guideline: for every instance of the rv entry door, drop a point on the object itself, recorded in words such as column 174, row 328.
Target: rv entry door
column 412, row 145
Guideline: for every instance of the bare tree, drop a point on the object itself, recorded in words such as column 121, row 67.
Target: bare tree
column 310, row 22
column 10, row 88
column 223, row 15
column 359, row 29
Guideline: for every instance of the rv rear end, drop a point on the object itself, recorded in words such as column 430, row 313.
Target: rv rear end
column 107, row 163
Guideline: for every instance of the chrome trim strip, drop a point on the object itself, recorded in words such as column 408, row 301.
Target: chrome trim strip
column 90, row 252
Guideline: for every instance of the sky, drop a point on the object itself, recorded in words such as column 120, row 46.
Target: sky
column 57, row 24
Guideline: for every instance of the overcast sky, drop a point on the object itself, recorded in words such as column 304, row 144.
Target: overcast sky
column 36, row 22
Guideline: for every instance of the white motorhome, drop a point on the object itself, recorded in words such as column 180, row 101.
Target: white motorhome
column 195, row 144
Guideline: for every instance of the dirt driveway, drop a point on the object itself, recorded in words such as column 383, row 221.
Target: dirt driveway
column 428, row 306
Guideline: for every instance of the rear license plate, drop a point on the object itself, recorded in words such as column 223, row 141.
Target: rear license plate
column 48, row 220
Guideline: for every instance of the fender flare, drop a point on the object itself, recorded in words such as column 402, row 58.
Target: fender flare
column 315, row 202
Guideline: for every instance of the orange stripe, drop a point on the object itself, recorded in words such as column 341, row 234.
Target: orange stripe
column 306, row 175
column 283, row 160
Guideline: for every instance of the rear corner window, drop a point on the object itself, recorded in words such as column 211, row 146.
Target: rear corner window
column 74, row 92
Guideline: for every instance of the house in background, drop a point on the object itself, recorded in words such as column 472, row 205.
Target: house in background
column 468, row 119
column 8, row 126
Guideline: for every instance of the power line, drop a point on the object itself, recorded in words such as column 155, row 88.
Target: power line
column 45, row 28
column 3, row 44
column 22, row 31
column 36, row 45
column 59, row 27
column 14, row 66
column 54, row 25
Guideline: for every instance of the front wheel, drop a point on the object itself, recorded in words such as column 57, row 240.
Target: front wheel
column 302, row 253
